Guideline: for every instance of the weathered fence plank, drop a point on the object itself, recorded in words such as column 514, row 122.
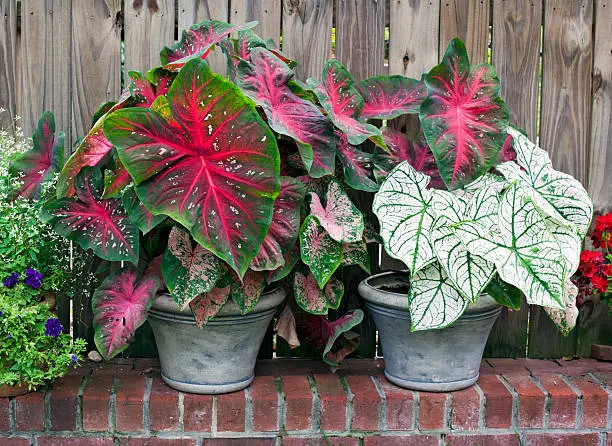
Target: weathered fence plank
column 148, row 27
column 307, row 27
column 266, row 12
column 469, row 20
column 8, row 64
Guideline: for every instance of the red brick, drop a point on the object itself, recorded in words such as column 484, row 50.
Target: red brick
column 594, row 401
column 298, row 402
column 333, row 402
column 483, row 440
column 466, row 409
column 563, row 439
column 30, row 411
column 239, row 442
column 198, row 412
column 130, row 403
column 563, row 400
column 432, row 410
column 366, row 403
column 163, row 406
column 403, row 440
column 231, row 412
column 400, row 406
column 4, row 414
column 320, row 441
column 64, row 401
column 508, row 365
column 601, row 352
column 498, row 402
column 583, row 366
column 72, row 441
column 531, row 400
column 96, row 401
column 158, row 442
column 264, row 396
column 14, row 441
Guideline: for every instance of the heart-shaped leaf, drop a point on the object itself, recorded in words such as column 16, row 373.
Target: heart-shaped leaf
column 246, row 294
column 319, row 250
column 115, row 181
column 101, row 225
column 387, row 97
column 188, row 270
column 358, row 166
column 356, row 254
column 313, row 299
column 504, row 293
column 265, row 79
column 42, row 161
column 463, row 118
column 207, row 305
column 120, row 306
column 138, row 213
column 217, row 173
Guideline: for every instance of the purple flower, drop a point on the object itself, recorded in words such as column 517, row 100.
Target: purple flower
column 33, row 278
column 11, row 280
column 9, row 336
column 0, row 313
column 53, row 327
column 74, row 358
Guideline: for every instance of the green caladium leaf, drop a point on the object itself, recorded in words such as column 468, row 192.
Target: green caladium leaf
column 433, row 301
column 403, row 208
column 319, row 250
column 504, row 293
column 246, row 294
column 340, row 217
column 313, row 299
column 524, row 251
column 116, row 180
column 207, row 305
column 555, row 193
column 356, row 254
column 138, row 213
column 188, row 270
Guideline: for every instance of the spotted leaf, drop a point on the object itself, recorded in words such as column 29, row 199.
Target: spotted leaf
column 138, row 213
column 207, row 305
column 356, row 254
column 313, row 299
column 290, row 260
column 358, row 166
column 115, row 181
column 387, row 97
column 319, row 250
column 340, row 217
column 246, row 294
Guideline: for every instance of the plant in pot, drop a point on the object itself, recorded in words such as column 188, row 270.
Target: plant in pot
column 217, row 189
column 478, row 215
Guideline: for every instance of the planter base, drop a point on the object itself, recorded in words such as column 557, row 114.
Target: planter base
column 425, row 386
column 207, row 389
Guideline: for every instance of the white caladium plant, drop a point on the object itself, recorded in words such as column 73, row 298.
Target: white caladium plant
column 516, row 227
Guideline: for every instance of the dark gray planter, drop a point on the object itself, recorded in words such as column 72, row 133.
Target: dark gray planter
column 218, row 358
column 433, row 360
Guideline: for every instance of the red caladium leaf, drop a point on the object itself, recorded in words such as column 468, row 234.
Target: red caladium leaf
column 313, row 299
column 154, row 270
column 246, row 294
column 101, row 225
column 387, row 97
column 217, row 173
column 197, row 41
column 265, row 79
column 188, row 270
column 138, row 213
column 103, row 109
column 417, row 153
column 340, row 217
column 358, row 166
column 207, row 305
column 115, row 181
column 343, row 103
column 318, row 250
column 290, row 260
column 42, row 161
column 285, row 226
column 120, row 306
column 144, row 92
column 507, row 152
column 463, row 118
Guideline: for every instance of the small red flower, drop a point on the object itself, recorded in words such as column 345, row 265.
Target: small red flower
column 591, row 257
column 600, row 283
column 602, row 235
column 606, row 270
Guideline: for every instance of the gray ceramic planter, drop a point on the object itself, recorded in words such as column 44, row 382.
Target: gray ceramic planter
column 433, row 360
column 218, row 358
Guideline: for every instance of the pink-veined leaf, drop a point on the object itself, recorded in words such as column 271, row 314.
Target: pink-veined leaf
column 153, row 269
column 290, row 260
column 143, row 92
column 463, row 118
column 318, row 186
column 138, row 213
column 120, row 306
column 507, row 152
column 313, row 299
column 265, row 79
column 103, row 109
column 217, row 173
column 285, row 226
column 188, row 270
column 101, row 225
column 207, row 305
column 358, row 166
column 387, row 97
column 343, row 103
column 356, row 254
column 246, row 294
column 328, row 337
column 285, row 327
column 197, row 41
column 340, row 217
column 318, row 250
column 45, row 158
column 417, row 153
column 115, row 181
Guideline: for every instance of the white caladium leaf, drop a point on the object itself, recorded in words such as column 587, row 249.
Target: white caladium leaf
column 565, row 320
column 483, row 208
column 557, row 194
column 433, row 301
column 485, row 181
column 403, row 208
column 340, row 217
column 571, row 245
column 524, row 251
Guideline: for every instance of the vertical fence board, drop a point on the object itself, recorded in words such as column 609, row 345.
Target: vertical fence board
column 516, row 56
column 469, row 20
column 8, row 64
column 307, row 27
column 266, row 12
column 564, row 127
column 45, row 63
column 195, row 11
column 148, row 27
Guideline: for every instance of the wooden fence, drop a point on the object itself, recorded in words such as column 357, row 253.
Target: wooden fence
column 554, row 58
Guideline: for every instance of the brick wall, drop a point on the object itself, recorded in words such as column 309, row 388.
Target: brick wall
column 300, row 403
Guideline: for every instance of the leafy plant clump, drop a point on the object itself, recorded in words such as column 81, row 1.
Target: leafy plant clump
column 486, row 212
